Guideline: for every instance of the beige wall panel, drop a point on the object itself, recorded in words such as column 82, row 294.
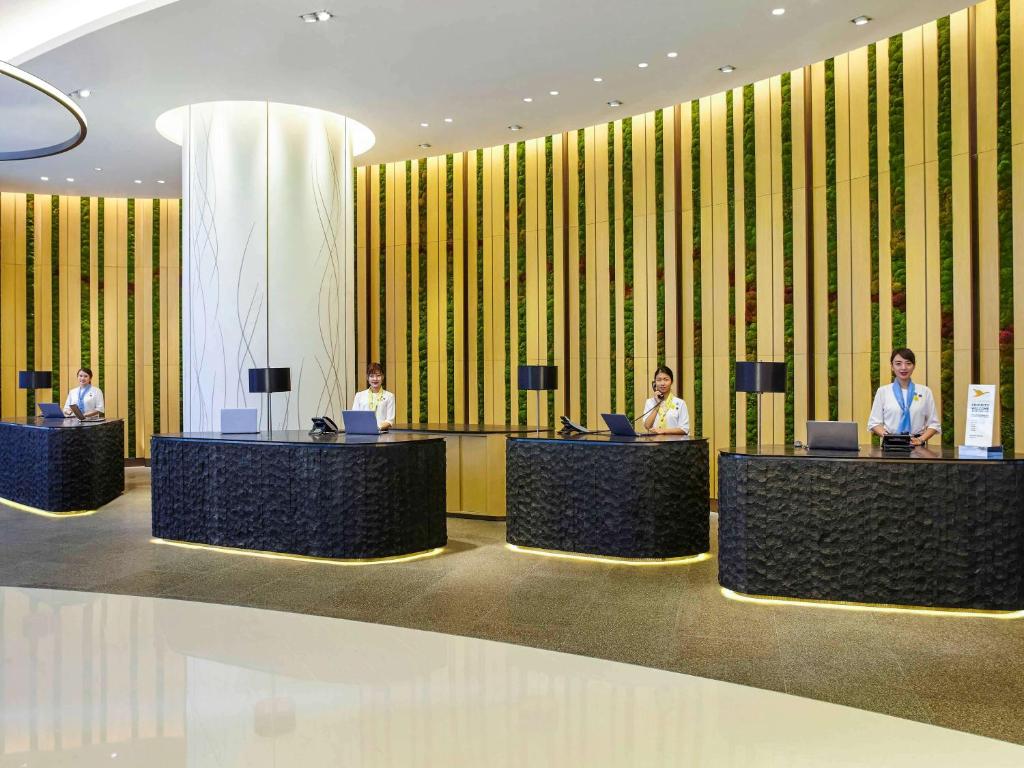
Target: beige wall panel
column 457, row 233
column 8, row 303
column 985, row 75
column 173, row 350
column 373, row 265
column 473, row 306
column 362, row 308
column 392, row 336
column 492, row 406
column 1018, row 283
column 988, row 269
column 418, row 366
column 592, row 249
column 164, row 393
column 778, row 404
column 143, row 326
column 574, row 352
column 399, row 332
column 671, row 276
column 916, row 265
column 499, row 316
column 913, row 97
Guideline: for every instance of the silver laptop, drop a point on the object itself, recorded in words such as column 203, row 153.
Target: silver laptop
column 619, row 424
column 238, row 421
column 360, row 422
column 832, row 435
column 51, row 410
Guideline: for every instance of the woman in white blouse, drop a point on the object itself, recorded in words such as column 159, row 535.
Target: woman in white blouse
column 376, row 398
column 88, row 398
column 666, row 414
column 903, row 407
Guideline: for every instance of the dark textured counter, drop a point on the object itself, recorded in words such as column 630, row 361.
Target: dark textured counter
column 61, row 465
column 924, row 530
column 604, row 495
column 462, row 429
column 338, row 496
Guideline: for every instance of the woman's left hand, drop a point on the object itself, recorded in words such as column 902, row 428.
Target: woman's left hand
column 916, row 441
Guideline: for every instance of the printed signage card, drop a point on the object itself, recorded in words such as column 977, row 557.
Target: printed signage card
column 981, row 411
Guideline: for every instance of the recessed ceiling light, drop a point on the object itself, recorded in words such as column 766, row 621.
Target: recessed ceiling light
column 138, row 181
column 159, row 181
column 448, row 119
column 860, row 21
column 515, row 127
column 642, row 65
column 424, row 125
column 425, row 145
column 527, row 99
column 97, row 168
column 727, row 69
column 614, row 103
column 553, row 93
column 598, row 79
column 672, row 54
column 44, row 178
column 81, row 93
column 314, row 16
column 69, row 179
column 778, row 11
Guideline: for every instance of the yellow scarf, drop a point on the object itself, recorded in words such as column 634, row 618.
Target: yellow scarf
column 667, row 405
column 375, row 399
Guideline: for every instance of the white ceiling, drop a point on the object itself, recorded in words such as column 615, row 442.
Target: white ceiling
column 392, row 64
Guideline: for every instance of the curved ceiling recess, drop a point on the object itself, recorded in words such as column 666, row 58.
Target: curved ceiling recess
column 43, row 87
column 171, row 125
column 455, row 74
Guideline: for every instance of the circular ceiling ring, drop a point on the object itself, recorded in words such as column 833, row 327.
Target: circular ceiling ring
column 9, row 70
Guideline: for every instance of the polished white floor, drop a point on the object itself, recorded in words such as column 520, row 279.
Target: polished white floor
column 106, row 680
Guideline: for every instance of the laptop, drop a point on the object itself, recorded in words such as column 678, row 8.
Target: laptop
column 832, row 435
column 81, row 416
column 51, row 410
column 238, row 421
column 619, row 424
column 360, row 422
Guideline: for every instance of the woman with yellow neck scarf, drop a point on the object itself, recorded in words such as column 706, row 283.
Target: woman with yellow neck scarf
column 666, row 413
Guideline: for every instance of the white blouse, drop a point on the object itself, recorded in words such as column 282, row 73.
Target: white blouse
column 886, row 412
column 385, row 407
column 93, row 399
column 671, row 413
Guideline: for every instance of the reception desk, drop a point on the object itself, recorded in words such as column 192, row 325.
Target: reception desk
column 926, row 529
column 635, row 498
column 475, row 464
column 62, row 466
column 337, row 496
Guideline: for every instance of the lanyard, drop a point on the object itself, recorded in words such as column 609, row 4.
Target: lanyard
column 82, row 392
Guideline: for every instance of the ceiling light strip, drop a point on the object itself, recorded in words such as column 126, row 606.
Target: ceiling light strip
column 46, row 89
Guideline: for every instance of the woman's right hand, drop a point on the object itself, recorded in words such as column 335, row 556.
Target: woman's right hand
column 67, row 411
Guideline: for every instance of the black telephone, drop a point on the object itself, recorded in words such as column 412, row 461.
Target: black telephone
column 570, row 427
column 323, row 425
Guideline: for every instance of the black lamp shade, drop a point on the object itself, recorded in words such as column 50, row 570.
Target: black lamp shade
column 538, row 377
column 760, row 377
column 35, row 379
column 270, row 379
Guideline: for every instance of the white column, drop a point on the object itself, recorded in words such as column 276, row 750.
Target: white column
column 268, row 257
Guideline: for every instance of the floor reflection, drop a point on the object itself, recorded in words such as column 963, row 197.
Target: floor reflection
column 90, row 679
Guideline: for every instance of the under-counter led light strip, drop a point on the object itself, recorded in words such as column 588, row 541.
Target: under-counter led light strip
column 301, row 558
column 873, row 607
column 688, row 560
column 44, row 512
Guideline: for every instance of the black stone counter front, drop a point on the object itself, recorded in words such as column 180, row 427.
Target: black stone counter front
column 921, row 530
column 643, row 497
column 338, row 496
column 61, row 465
